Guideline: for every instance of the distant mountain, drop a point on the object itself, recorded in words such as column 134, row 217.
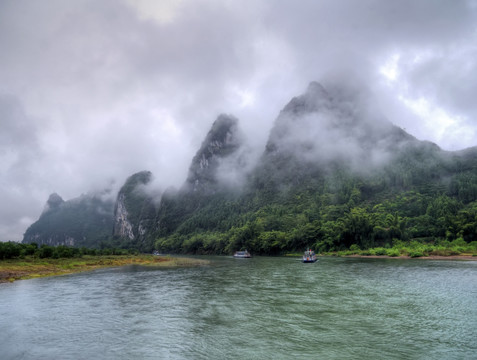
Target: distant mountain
column 217, row 158
column 83, row 221
column 316, row 131
column 333, row 173
column 221, row 143
column 135, row 211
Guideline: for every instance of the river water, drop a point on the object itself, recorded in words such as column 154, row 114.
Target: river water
column 259, row 308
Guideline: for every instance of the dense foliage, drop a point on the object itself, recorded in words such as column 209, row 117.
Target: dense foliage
column 331, row 178
column 12, row 250
column 84, row 221
column 427, row 196
column 415, row 249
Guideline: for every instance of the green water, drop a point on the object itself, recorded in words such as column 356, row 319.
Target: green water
column 259, row 308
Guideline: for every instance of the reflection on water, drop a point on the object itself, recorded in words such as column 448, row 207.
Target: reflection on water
column 259, row 308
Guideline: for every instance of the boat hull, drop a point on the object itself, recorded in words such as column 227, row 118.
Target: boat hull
column 242, row 255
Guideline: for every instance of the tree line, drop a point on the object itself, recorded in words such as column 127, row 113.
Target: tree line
column 13, row 250
column 322, row 220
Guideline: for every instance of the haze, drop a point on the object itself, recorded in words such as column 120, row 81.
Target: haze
column 93, row 91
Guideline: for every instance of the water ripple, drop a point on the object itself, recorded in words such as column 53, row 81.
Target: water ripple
column 260, row 308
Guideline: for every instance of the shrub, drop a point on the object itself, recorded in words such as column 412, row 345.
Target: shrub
column 455, row 251
column 380, row 251
column 416, row 253
column 346, row 253
column 443, row 243
column 440, row 251
column 393, row 252
column 458, row 243
column 354, row 248
column 45, row 251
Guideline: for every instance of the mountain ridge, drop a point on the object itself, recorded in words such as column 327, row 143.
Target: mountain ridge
column 328, row 161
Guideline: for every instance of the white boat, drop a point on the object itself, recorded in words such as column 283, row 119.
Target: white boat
column 242, row 255
column 309, row 256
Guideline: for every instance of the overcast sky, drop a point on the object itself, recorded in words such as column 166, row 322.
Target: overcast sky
column 93, row 91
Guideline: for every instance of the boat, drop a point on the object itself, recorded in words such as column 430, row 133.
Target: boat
column 242, row 255
column 309, row 256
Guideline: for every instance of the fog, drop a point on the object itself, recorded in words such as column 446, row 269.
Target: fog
column 340, row 123
column 94, row 91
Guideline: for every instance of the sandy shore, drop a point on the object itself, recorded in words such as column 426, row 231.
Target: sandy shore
column 22, row 269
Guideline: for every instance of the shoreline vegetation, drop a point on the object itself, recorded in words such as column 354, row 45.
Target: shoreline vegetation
column 468, row 257
column 471, row 257
column 457, row 249
column 27, row 261
column 31, row 267
column 440, row 250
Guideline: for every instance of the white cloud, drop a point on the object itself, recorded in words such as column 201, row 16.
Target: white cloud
column 390, row 69
column 164, row 11
column 96, row 90
column 445, row 129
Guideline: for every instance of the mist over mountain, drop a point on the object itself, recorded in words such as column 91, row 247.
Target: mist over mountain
column 319, row 127
column 83, row 221
column 53, row 202
column 222, row 142
column 334, row 172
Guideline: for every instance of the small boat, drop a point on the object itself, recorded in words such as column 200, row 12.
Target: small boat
column 309, row 256
column 242, row 255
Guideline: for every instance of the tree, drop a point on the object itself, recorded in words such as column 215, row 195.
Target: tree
column 357, row 229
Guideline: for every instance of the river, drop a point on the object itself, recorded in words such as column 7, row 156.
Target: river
column 259, row 308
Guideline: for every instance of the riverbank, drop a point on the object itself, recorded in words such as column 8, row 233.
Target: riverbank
column 466, row 257
column 430, row 257
column 29, row 268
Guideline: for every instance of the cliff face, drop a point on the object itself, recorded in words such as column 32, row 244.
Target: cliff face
column 222, row 141
column 135, row 211
column 122, row 225
column 327, row 152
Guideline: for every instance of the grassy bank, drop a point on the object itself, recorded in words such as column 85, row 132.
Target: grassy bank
column 415, row 249
column 30, row 267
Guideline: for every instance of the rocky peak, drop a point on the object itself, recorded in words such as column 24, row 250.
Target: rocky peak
column 315, row 98
column 81, row 221
column 53, row 202
column 327, row 126
column 129, row 212
column 222, row 140
column 139, row 178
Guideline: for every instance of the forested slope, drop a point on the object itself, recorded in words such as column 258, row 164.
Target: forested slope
column 333, row 174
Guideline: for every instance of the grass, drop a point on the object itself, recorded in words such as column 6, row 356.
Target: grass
column 29, row 268
column 414, row 249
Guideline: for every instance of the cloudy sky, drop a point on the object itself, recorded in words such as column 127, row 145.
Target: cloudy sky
column 93, row 91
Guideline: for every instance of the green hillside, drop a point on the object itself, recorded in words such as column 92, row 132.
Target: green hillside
column 377, row 185
column 333, row 175
column 84, row 221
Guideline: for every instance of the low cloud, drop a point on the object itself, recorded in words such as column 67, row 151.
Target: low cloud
column 94, row 91
column 321, row 126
